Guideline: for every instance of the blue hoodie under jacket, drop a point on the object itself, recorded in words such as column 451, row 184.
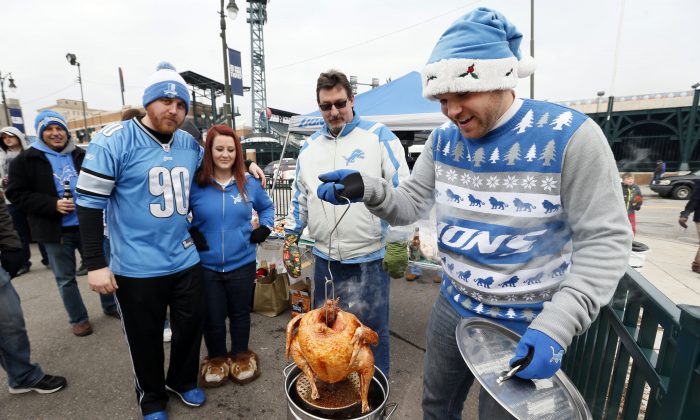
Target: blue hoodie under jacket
column 224, row 217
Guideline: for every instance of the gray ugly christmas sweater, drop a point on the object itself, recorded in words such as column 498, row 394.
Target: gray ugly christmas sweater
column 530, row 220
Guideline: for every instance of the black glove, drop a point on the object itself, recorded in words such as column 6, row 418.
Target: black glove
column 12, row 259
column 259, row 234
column 683, row 221
column 341, row 183
column 199, row 240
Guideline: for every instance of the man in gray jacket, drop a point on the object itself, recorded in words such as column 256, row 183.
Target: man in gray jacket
column 532, row 229
column 348, row 248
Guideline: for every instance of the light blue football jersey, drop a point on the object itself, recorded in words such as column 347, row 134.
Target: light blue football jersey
column 144, row 185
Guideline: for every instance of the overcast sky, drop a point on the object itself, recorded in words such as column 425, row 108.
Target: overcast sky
column 575, row 44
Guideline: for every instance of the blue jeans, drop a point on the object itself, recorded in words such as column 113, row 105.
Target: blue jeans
column 14, row 343
column 62, row 260
column 228, row 295
column 446, row 377
column 363, row 290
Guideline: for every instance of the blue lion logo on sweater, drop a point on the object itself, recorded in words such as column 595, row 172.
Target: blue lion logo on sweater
column 356, row 154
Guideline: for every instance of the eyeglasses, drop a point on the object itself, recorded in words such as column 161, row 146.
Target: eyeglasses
column 337, row 105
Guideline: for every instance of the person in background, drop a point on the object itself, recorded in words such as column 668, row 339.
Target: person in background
column 501, row 172
column 632, row 196
column 22, row 375
column 659, row 170
column 691, row 207
column 354, row 253
column 12, row 143
column 39, row 178
column 222, row 201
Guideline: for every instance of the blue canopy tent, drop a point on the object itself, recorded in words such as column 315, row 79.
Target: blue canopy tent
column 398, row 104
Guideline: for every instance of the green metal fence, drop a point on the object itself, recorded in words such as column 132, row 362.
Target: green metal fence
column 641, row 358
column 281, row 196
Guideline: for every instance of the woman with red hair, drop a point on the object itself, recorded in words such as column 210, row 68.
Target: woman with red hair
column 222, row 201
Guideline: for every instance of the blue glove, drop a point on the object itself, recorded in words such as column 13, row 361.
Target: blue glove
column 543, row 362
column 341, row 183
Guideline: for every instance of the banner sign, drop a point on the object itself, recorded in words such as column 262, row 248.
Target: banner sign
column 235, row 72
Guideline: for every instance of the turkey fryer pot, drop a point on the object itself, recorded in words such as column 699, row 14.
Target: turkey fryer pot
column 298, row 408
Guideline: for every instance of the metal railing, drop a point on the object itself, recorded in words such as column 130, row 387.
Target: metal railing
column 281, row 196
column 640, row 358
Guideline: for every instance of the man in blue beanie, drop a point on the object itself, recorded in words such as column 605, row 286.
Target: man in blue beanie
column 500, row 174
column 38, row 178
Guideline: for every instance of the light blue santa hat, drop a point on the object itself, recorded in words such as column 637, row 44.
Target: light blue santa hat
column 47, row 118
column 166, row 83
column 479, row 52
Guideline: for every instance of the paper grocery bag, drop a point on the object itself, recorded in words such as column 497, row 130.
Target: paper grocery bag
column 271, row 298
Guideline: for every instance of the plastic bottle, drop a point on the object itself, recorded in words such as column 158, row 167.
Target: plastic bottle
column 414, row 247
column 272, row 274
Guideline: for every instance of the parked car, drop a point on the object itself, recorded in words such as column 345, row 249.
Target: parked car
column 677, row 186
column 285, row 171
column 287, row 164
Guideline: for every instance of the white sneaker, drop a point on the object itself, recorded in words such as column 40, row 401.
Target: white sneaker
column 167, row 334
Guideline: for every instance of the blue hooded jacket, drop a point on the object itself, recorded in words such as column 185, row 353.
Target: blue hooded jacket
column 223, row 217
column 63, row 170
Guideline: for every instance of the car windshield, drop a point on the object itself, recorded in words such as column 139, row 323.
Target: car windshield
column 286, row 165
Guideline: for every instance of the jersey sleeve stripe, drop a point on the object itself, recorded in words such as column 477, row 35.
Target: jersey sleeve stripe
column 91, row 193
column 97, row 174
column 94, row 185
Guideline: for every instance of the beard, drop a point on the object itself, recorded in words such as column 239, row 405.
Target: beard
column 165, row 125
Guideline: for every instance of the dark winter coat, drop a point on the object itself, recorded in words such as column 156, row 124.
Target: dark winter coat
column 33, row 190
column 8, row 236
column 693, row 204
column 633, row 197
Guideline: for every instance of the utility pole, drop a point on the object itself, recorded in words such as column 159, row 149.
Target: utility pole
column 229, row 109
column 74, row 62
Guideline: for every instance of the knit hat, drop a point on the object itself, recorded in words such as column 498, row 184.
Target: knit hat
column 479, row 52
column 166, row 83
column 47, row 118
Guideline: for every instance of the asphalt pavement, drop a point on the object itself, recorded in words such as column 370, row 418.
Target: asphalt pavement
column 98, row 368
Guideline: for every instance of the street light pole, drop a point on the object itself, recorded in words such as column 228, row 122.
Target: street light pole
column 229, row 108
column 72, row 59
column 2, row 89
column 690, row 140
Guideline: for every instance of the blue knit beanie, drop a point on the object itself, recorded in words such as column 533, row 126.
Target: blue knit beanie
column 47, row 118
column 166, row 83
column 479, row 52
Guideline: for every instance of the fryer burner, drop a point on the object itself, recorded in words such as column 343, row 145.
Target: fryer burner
column 332, row 397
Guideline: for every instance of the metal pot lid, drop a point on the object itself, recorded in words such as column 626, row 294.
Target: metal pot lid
column 487, row 348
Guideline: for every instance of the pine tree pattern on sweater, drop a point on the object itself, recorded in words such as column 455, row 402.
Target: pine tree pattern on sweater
column 503, row 242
